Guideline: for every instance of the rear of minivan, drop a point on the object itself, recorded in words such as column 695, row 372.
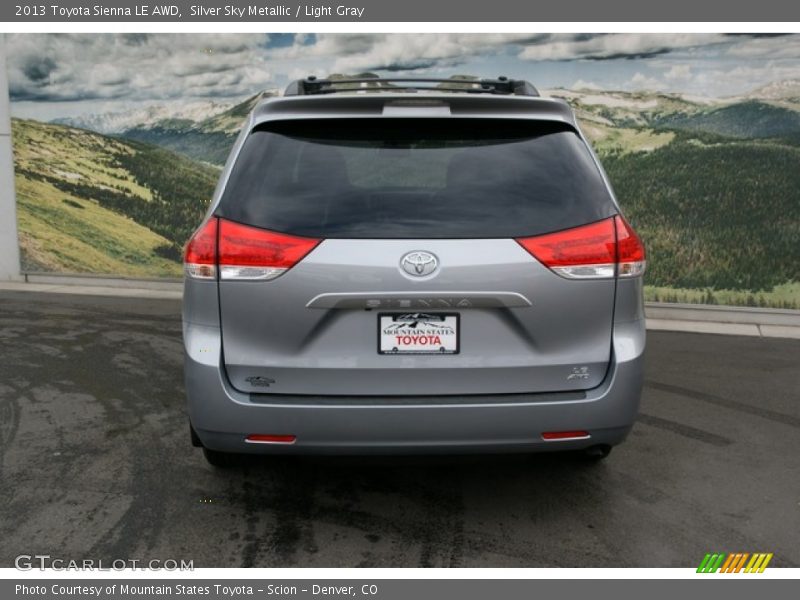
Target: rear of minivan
column 379, row 273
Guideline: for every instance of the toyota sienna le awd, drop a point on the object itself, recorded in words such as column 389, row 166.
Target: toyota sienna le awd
column 412, row 266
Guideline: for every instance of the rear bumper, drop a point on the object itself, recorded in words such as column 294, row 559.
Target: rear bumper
column 223, row 416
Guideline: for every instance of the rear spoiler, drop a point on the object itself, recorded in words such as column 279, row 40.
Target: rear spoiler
column 311, row 85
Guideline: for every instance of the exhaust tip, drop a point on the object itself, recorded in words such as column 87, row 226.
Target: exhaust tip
column 598, row 452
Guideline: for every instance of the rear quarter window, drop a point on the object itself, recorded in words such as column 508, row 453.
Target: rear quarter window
column 414, row 178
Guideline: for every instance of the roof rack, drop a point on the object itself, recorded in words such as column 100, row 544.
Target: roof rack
column 311, row 85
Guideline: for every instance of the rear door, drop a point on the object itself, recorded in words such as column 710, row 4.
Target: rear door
column 410, row 279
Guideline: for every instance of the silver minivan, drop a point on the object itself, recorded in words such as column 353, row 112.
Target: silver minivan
column 396, row 266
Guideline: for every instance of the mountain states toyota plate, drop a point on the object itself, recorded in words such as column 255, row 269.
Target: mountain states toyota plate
column 418, row 333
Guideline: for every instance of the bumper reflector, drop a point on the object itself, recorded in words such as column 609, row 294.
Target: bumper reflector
column 565, row 435
column 267, row 438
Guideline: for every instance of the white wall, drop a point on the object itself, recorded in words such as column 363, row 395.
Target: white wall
column 9, row 244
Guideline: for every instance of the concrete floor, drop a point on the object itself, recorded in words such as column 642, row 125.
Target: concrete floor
column 96, row 463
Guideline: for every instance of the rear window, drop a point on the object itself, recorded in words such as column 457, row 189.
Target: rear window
column 414, row 178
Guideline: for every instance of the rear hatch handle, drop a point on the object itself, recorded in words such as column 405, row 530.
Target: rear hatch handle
column 419, row 300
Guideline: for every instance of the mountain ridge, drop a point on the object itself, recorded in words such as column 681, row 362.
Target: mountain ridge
column 116, row 122
column 89, row 203
column 208, row 140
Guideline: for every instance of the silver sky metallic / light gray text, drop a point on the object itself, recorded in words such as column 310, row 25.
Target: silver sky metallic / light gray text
column 314, row 11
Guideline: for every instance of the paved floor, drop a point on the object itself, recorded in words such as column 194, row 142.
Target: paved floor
column 96, row 464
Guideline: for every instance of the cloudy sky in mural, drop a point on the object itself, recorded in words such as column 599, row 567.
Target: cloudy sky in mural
column 72, row 74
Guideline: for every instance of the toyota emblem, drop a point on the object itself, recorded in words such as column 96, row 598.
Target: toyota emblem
column 419, row 263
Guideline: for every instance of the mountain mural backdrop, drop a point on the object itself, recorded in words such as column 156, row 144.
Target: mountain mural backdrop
column 712, row 185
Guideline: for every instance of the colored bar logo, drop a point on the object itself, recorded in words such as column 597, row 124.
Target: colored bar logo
column 735, row 562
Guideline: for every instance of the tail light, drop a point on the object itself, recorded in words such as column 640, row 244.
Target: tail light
column 251, row 253
column 200, row 256
column 598, row 250
column 630, row 250
column 241, row 252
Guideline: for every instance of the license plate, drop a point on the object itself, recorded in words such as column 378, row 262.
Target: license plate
column 418, row 333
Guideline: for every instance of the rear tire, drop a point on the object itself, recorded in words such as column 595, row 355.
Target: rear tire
column 597, row 453
column 221, row 460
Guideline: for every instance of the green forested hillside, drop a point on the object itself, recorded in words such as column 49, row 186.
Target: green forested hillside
column 742, row 120
column 713, row 189
column 719, row 215
column 92, row 204
column 212, row 147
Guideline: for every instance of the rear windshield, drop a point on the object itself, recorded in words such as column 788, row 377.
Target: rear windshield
column 414, row 178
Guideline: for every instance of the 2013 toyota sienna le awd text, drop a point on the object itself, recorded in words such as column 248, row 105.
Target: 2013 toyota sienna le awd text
column 394, row 266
